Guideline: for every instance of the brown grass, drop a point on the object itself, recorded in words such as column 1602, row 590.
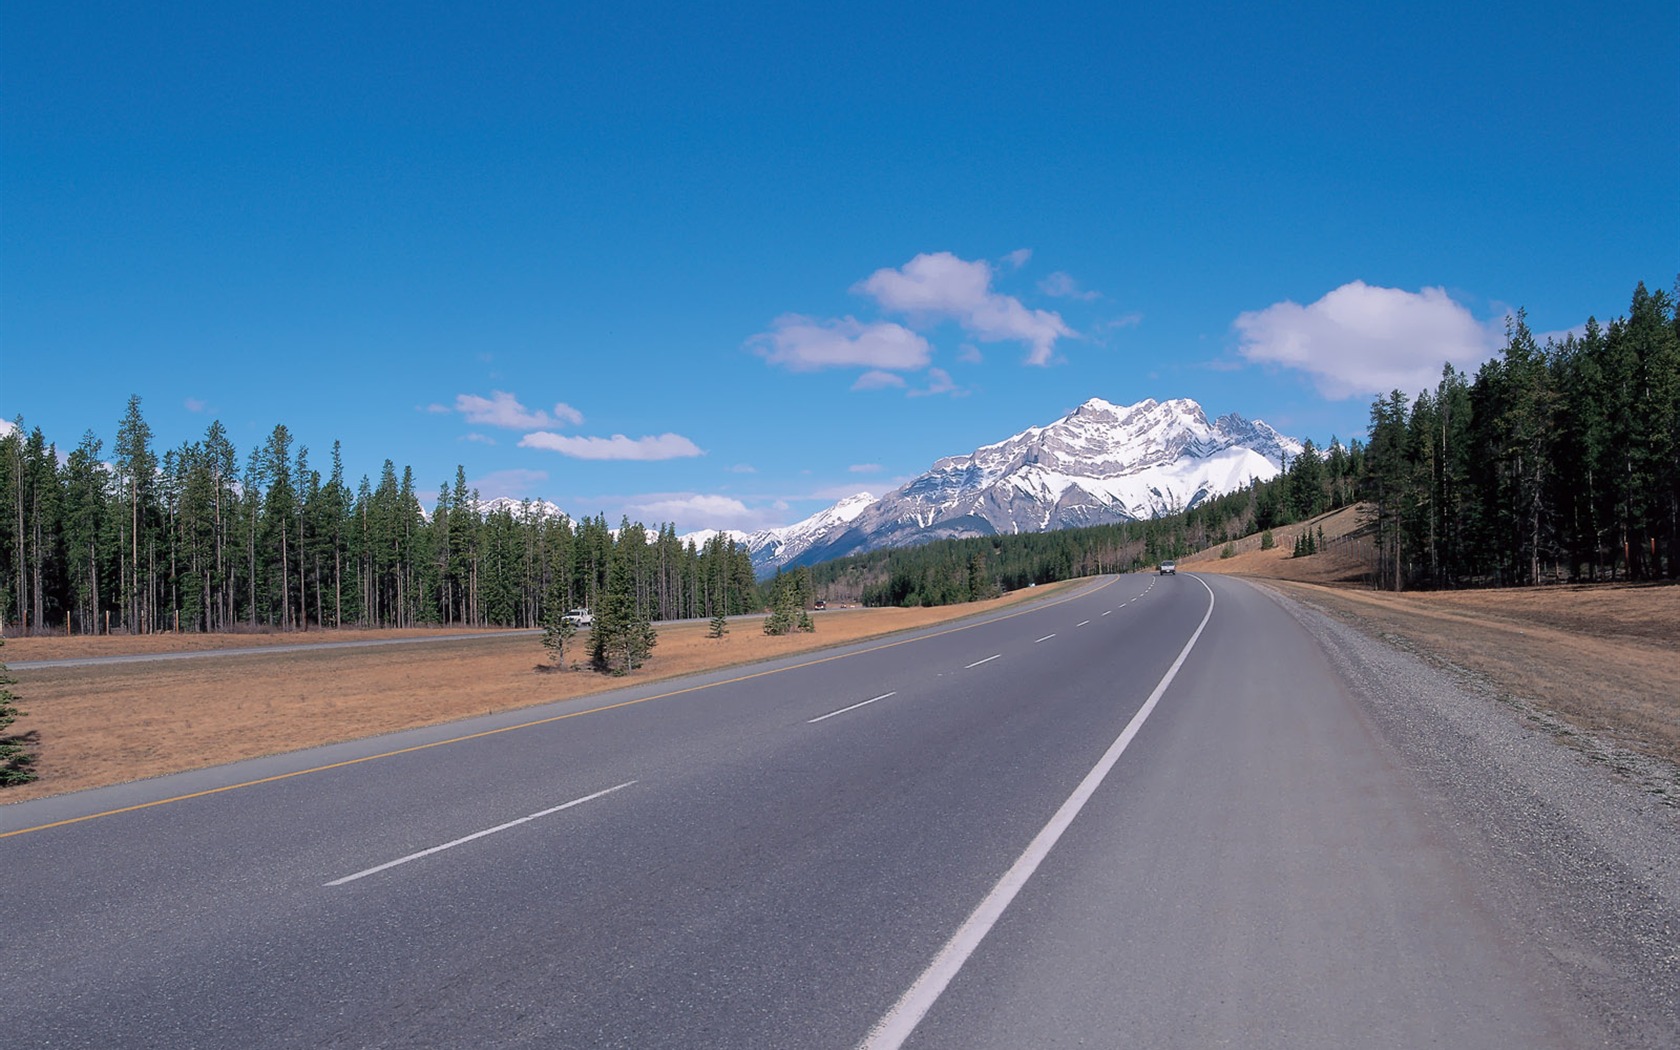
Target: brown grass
column 112, row 723
column 1604, row 657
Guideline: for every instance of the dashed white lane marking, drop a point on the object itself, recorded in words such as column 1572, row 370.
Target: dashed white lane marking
column 987, row 660
column 476, row 835
column 892, row 1030
column 1107, row 611
column 1046, row 638
column 1082, row 623
column 854, row 707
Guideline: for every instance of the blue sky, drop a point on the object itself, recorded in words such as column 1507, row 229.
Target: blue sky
column 721, row 265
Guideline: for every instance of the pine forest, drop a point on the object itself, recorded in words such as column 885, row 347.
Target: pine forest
column 187, row 540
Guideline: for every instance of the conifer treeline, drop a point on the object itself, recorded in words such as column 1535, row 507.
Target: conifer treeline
column 188, row 541
column 1555, row 462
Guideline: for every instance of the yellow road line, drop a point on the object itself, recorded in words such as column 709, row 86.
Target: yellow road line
column 538, row 721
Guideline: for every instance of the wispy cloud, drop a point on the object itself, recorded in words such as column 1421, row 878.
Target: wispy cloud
column 1018, row 258
column 617, row 447
column 193, row 404
column 743, row 468
column 939, row 382
column 865, row 468
column 1062, row 286
column 878, row 380
column 502, row 409
column 692, row 511
column 1361, row 339
column 477, row 438
column 513, row 484
column 805, row 344
column 940, row 285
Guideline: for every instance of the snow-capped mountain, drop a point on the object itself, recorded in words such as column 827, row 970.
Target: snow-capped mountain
column 541, row 508
column 772, row 548
column 1099, row 464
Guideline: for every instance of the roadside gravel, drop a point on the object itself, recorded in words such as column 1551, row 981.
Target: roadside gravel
column 1579, row 845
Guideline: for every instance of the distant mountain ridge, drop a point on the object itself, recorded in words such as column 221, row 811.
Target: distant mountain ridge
column 1099, row 464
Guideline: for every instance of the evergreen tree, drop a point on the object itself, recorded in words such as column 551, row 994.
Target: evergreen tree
column 15, row 757
column 558, row 632
column 622, row 637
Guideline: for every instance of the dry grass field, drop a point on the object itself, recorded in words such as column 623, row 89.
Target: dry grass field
column 1603, row 657
column 111, row 723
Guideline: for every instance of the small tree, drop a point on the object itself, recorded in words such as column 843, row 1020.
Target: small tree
column 557, row 632
column 787, row 609
column 15, row 758
column 1267, row 542
column 622, row 636
column 719, row 627
column 1228, row 551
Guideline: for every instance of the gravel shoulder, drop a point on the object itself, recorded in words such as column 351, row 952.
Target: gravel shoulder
column 1579, row 845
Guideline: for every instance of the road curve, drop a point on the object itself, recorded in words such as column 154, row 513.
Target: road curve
column 775, row 858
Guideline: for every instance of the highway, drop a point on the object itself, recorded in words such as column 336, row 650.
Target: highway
column 1146, row 813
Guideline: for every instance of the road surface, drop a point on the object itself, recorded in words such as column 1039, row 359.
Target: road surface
column 1148, row 813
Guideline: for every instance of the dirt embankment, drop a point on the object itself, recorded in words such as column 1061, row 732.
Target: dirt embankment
column 106, row 724
column 1603, row 657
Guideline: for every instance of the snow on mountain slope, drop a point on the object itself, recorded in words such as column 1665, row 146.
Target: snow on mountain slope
column 1102, row 463
column 772, row 548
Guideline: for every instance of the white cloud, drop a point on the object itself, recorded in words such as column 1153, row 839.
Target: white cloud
column 865, row 468
column 437, row 410
column 482, row 439
column 938, row 284
column 502, row 409
column 692, row 511
column 7, row 427
column 1360, row 340
column 1018, row 258
column 688, row 506
column 939, row 382
column 743, row 468
column 970, row 353
column 193, row 404
column 513, row 484
column 1131, row 320
column 662, row 446
column 1063, row 286
column 805, row 344
column 877, row 380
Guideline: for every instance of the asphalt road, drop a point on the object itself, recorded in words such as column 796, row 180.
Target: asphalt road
column 1147, row 814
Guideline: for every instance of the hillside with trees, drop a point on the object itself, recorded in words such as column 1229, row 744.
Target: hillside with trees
column 190, row 540
column 1554, row 462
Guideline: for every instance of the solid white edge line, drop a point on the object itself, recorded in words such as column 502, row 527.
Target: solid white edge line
column 475, row 835
column 1046, row 638
column 893, row 1029
column 843, row 710
column 987, row 660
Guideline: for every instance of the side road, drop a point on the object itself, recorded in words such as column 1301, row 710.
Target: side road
column 1578, row 851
